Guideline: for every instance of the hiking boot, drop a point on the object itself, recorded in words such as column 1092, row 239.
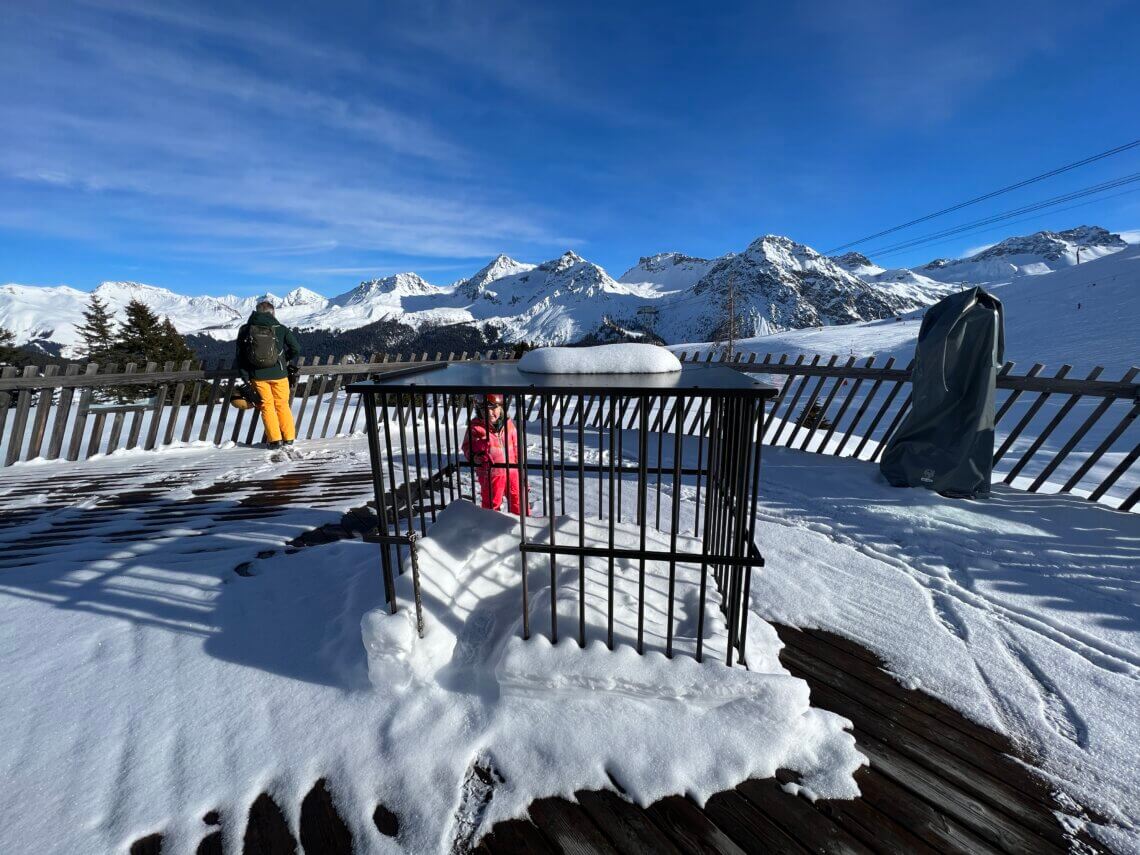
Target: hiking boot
column 288, row 443
column 273, row 446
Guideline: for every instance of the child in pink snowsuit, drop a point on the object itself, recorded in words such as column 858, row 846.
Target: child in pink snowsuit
column 491, row 438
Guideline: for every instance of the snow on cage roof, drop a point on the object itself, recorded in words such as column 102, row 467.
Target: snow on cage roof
column 506, row 377
column 626, row 358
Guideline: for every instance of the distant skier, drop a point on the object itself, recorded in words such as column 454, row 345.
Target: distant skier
column 491, row 438
column 264, row 347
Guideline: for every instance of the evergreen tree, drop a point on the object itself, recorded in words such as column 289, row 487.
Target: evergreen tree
column 8, row 349
column 174, row 346
column 140, row 336
column 98, row 337
column 814, row 417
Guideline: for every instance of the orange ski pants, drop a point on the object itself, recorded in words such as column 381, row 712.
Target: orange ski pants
column 275, row 412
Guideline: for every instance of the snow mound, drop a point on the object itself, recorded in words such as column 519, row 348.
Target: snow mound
column 557, row 718
column 625, row 358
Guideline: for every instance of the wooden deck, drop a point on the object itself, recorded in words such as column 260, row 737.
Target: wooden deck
column 936, row 782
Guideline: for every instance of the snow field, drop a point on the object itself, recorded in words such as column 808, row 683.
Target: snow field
column 604, row 359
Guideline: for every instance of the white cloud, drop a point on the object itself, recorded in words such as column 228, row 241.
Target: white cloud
column 974, row 250
column 1130, row 235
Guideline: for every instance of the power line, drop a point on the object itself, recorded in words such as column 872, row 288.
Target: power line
column 1006, row 215
column 991, row 195
column 985, row 229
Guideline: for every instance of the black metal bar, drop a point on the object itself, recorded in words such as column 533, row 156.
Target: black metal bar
column 648, row 554
column 548, row 426
column 610, row 611
column 658, row 433
column 581, row 529
column 706, row 534
column 381, row 506
column 642, row 499
column 416, row 452
column 562, row 452
column 700, row 423
column 679, row 413
column 524, row 503
column 427, row 448
column 754, row 442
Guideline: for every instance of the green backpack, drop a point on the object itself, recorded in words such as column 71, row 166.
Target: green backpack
column 261, row 347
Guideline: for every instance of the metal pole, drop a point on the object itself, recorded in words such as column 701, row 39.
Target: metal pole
column 381, row 508
column 548, row 458
column 581, row 527
column 610, row 619
column 642, row 501
column 391, row 474
column 520, row 429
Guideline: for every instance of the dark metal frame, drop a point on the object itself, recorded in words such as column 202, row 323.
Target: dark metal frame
column 628, row 423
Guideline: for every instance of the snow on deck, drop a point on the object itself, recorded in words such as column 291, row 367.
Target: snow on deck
column 146, row 682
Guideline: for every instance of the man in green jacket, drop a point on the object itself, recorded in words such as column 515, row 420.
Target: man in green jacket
column 264, row 347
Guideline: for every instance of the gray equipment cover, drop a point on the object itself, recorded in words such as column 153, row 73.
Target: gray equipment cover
column 946, row 441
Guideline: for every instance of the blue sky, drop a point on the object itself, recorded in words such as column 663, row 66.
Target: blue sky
column 221, row 147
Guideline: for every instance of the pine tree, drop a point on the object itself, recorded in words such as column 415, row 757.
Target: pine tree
column 814, row 417
column 8, row 349
column 140, row 336
column 174, row 346
column 96, row 332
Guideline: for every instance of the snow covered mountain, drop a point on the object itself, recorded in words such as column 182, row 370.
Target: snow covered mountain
column 1029, row 255
column 777, row 284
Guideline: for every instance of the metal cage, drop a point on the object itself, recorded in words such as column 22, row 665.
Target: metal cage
column 622, row 447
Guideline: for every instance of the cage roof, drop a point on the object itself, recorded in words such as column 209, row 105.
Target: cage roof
column 505, row 377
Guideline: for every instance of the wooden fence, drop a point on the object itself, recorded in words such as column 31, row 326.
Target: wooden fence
column 1054, row 433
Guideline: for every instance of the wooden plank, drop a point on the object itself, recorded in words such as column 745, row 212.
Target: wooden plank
column 863, row 408
column 1027, row 418
column 918, row 816
column 211, row 400
column 879, row 415
column 789, row 414
column 685, row 824
column 223, row 414
column 317, row 403
column 1035, row 446
column 903, row 409
column 919, row 739
column 1078, row 435
column 78, row 426
column 811, row 401
column 96, row 439
column 807, row 825
column 852, row 393
column 1011, row 399
column 117, row 419
column 750, row 829
column 156, row 413
column 1113, row 476
column 176, row 405
column 857, row 816
column 20, row 422
column 322, row 829
column 986, row 821
column 6, row 397
column 827, row 406
column 43, row 409
column 625, row 825
column 136, row 416
column 779, row 399
column 515, row 837
column 569, row 828
column 308, row 389
column 331, row 408
column 1104, row 446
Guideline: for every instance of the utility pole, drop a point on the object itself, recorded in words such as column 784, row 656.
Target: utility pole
column 731, row 318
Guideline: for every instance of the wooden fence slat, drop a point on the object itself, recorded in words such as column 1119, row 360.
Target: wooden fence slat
column 836, row 384
column 308, row 388
column 77, row 429
column 96, row 440
column 223, row 414
column 882, row 411
column 192, row 407
column 1105, row 444
column 157, row 410
column 788, row 414
column 6, row 372
column 1042, row 397
column 863, row 407
column 235, row 434
column 1093, row 418
column 175, row 406
column 43, row 409
column 1035, row 446
column 136, row 416
column 1011, row 399
column 847, row 399
column 331, row 408
column 779, row 399
column 1129, row 503
column 117, row 420
column 62, row 413
column 807, row 407
column 23, row 405
column 1122, row 467
column 215, row 390
column 903, row 409
column 317, row 403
